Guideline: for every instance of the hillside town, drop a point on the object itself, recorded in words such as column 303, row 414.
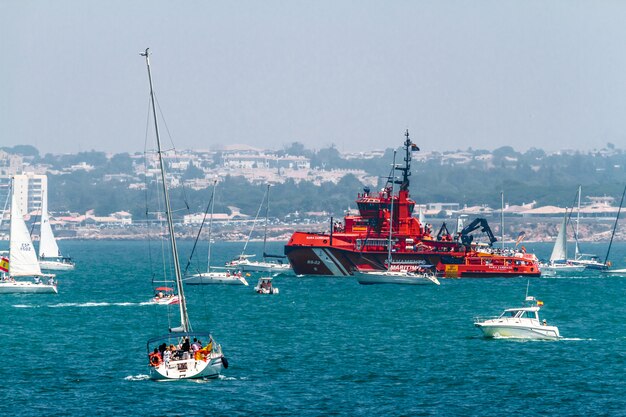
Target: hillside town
column 196, row 170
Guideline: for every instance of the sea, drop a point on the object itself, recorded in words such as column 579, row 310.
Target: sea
column 323, row 346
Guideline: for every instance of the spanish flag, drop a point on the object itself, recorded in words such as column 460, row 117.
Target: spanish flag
column 4, row 264
column 539, row 303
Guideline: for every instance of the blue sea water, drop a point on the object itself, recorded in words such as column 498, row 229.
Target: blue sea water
column 323, row 346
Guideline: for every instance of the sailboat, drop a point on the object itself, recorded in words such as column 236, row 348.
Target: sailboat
column 23, row 260
column 226, row 276
column 50, row 257
column 622, row 271
column 588, row 260
column 391, row 275
column 558, row 258
column 172, row 356
column 270, row 263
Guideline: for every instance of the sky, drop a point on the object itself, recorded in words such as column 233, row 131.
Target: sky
column 354, row 74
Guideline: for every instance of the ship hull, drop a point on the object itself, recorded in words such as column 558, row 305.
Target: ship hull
column 330, row 261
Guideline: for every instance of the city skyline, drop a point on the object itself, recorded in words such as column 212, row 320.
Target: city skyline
column 353, row 74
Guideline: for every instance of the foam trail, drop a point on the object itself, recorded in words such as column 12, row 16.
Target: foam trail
column 140, row 377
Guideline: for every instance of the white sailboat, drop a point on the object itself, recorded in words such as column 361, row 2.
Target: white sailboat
column 391, row 276
column 224, row 276
column 50, row 257
column 588, row 260
column 270, row 263
column 558, row 258
column 23, row 260
column 171, row 356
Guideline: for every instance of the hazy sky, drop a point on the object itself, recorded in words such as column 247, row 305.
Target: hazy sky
column 457, row 74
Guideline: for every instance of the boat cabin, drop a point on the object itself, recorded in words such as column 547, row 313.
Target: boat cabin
column 521, row 313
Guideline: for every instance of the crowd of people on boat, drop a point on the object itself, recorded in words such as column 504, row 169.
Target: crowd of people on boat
column 184, row 350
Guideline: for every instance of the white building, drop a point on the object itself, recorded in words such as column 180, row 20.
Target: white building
column 31, row 192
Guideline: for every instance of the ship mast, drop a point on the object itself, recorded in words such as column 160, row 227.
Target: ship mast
column 184, row 318
column 406, row 170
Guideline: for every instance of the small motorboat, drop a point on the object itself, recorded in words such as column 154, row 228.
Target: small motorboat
column 165, row 296
column 265, row 286
column 520, row 323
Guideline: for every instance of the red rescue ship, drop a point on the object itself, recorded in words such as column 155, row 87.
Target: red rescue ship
column 361, row 242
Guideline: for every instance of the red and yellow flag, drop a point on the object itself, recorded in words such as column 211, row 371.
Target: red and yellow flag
column 539, row 303
column 4, row 264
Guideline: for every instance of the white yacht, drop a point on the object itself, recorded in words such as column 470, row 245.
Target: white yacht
column 397, row 277
column 171, row 357
column 215, row 275
column 226, row 277
column 50, row 257
column 558, row 259
column 519, row 323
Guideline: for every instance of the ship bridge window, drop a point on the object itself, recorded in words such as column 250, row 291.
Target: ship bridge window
column 368, row 207
column 509, row 314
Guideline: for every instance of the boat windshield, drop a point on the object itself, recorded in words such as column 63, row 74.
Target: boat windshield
column 509, row 314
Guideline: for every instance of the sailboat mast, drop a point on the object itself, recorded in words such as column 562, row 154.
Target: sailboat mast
column 577, row 249
column 267, row 211
column 208, row 268
column 184, row 318
column 614, row 226
column 393, row 178
column 502, row 218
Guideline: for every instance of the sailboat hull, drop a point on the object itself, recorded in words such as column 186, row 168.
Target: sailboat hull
column 188, row 369
column 56, row 266
column 27, row 287
column 390, row 277
column 207, row 278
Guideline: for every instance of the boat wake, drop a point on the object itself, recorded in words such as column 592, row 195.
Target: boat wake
column 97, row 304
column 140, row 377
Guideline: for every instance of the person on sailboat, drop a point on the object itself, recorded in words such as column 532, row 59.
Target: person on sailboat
column 155, row 358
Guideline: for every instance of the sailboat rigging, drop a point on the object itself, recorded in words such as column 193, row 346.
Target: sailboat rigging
column 171, row 356
column 621, row 272
column 225, row 275
column 390, row 276
column 50, row 257
column 266, row 265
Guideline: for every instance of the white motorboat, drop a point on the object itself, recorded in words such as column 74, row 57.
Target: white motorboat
column 50, row 257
column 23, row 261
column 265, row 286
column 520, row 323
column 165, row 296
column 216, row 277
column 170, row 357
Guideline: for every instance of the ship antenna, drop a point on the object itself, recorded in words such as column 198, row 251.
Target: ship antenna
column 406, row 170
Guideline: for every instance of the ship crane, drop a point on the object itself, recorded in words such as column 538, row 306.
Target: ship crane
column 467, row 238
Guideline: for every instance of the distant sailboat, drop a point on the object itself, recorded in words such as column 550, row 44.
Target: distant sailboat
column 391, row 276
column 23, row 260
column 225, row 276
column 50, row 257
column 589, row 261
column 558, row 258
column 268, row 264
column 171, row 357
